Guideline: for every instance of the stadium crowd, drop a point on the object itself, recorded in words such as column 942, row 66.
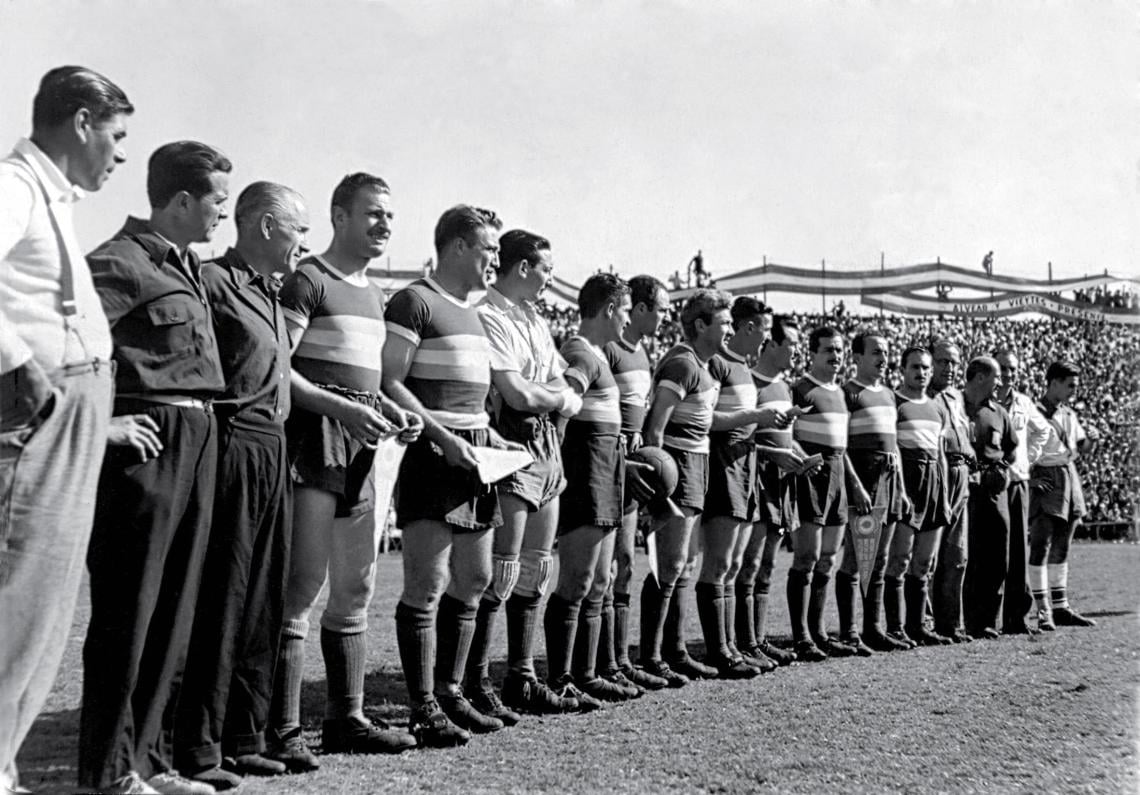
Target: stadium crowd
column 203, row 436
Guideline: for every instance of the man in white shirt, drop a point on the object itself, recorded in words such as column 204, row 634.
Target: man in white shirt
column 1030, row 428
column 55, row 383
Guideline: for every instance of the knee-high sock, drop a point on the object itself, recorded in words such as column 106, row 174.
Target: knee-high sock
column 587, row 640
column 817, row 601
column 744, row 615
column 760, row 613
column 873, row 605
column 345, row 658
column 479, row 658
column 522, row 626
column 561, row 625
column 846, row 590
column 798, row 585
column 673, row 641
column 710, row 611
column 893, row 603
column 730, row 616
column 915, row 594
column 1039, row 587
column 655, row 600
column 607, row 658
column 1058, row 585
column 415, row 635
column 285, row 708
column 454, row 629
column 621, row 629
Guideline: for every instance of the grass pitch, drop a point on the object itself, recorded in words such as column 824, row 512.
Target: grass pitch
column 1054, row 713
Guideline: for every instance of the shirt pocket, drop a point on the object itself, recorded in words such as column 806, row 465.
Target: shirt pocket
column 172, row 329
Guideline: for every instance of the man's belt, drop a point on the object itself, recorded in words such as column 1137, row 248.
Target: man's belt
column 179, row 401
column 957, row 459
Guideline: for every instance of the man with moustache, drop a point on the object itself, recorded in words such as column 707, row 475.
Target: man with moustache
column 680, row 417
column 526, row 375
column 821, row 495
column 55, row 383
column 872, row 449
column 994, row 446
column 778, row 456
column 336, row 329
column 229, row 678
column 1031, row 429
column 950, row 570
column 921, row 427
column 152, row 518
column 437, row 363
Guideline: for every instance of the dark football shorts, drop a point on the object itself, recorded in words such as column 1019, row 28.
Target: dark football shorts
column 324, row 455
column 540, row 482
column 732, row 481
column 431, row 489
column 926, row 487
column 692, row 480
column 822, row 498
column 595, row 479
column 881, row 476
column 776, row 495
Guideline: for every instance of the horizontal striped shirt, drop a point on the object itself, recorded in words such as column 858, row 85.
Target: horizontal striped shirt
column 773, row 393
column 824, row 428
column 450, row 372
column 630, row 366
column 873, row 417
column 340, row 324
column 922, row 422
column 737, row 393
column 588, row 367
column 682, row 373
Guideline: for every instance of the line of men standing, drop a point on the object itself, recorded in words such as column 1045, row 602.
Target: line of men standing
column 235, row 447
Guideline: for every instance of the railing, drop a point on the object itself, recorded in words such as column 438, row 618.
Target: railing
column 1110, row 530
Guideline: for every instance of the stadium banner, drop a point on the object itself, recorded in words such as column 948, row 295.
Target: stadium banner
column 791, row 279
column 998, row 306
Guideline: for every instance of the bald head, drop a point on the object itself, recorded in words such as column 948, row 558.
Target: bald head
column 273, row 227
column 983, row 379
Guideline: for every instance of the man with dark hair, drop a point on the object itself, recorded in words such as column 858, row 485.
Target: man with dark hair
column 437, row 363
column 629, row 363
column 731, row 501
column 335, row 318
column 526, row 376
column 152, row 521
column 950, row 569
column 592, row 504
column 875, row 486
column 1031, row 430
column 680, row 418
column 1056, row 501
column 224, row 705
column 779, row 456
column 55, row 384
column 821, row 495
column 921, row 427
column 994, row 446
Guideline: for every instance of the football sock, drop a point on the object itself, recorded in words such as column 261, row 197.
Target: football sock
column 454, row 629
column 817, row 601
column 710, row 611
column 522, row 626
column 415, row 635
column 760, row 613
column 607, row 660
column 673, row 639
column 345, row 658
column 1058, row 585
column 587, row 639
column 621, row 628
column 285, row 708
column 846, row 588
column 655, row 600
column 745, row 628
column 729, row 614
column 798, row 585
column 561, row 625
column 1039, row 587
column 479, row 658
column 893, row 603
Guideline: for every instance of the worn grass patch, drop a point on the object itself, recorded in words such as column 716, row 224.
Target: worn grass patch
column 1046, row 714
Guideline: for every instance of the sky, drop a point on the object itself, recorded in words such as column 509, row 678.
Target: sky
column 636, row 133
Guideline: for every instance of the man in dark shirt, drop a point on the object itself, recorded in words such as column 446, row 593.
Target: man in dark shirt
column 229, row 679
column 995, row 443
column 152, row 519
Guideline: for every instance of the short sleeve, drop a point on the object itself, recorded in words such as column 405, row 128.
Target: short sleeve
column 407, row 315
column 582, row 368
column 799, row 396
column 300, row 296
column 678, row 375
column 503, row 358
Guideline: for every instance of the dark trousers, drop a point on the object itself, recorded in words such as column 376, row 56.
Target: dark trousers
column 953, row 554
column 152, row 524
column 989, row 557
column 229, row 677
column 1018, row 600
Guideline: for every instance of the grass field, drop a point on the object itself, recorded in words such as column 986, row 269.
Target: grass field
column 1055, row 713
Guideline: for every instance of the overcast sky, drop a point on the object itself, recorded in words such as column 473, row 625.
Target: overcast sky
column 636, row 133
